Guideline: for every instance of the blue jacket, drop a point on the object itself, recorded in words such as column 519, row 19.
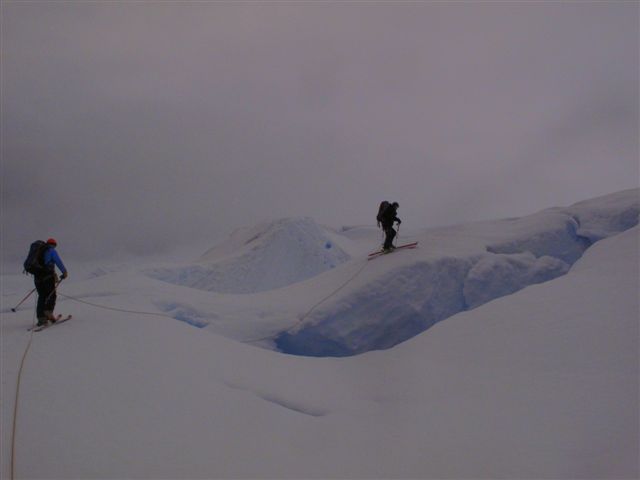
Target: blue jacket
column 51, row 259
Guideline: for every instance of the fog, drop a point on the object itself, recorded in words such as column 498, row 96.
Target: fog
column 135, row 128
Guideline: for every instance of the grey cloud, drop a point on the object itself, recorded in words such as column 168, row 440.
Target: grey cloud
column 129, row 126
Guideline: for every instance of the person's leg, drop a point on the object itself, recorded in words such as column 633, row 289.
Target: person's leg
column 43, row 293
column 50, row 299
column 390, row 235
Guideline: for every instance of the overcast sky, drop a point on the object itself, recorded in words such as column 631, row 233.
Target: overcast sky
column 134, row 126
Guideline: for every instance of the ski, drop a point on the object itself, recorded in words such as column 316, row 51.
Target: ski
column 59, row 319
column 383, row 252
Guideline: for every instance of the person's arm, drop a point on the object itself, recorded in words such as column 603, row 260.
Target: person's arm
column 58, row 261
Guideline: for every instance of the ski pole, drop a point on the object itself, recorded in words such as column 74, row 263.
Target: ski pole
column 15, row 309
column 22, row 301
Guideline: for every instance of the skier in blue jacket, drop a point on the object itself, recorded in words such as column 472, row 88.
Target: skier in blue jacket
column 46, row 281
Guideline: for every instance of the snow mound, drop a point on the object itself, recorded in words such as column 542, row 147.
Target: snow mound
column 385, row 312
column 410, row 299
column 605, row 216
column 265, row 257
column 508, row 256
column 498, row 275
column 552, row 233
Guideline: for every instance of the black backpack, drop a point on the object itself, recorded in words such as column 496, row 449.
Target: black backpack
column 381, row 209
column 34, row 263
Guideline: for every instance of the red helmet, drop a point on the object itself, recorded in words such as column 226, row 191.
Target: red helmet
column 52, row 241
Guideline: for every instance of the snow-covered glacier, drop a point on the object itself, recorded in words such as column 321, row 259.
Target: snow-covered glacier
column 305, row 289
column 456, row 269
column 528, row 385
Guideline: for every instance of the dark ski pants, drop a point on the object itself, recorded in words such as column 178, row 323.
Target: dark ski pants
column 390, row 234
column 46, row 288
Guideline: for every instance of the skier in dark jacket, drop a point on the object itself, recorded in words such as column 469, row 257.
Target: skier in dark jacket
column 46, row 281
column 388, row 216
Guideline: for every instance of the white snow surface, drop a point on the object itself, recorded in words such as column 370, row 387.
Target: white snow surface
column 503, row 349
column 261, row 258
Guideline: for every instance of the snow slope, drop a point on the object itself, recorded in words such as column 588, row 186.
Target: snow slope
column 539, row 383
column 262, row 258
column 456, row 269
